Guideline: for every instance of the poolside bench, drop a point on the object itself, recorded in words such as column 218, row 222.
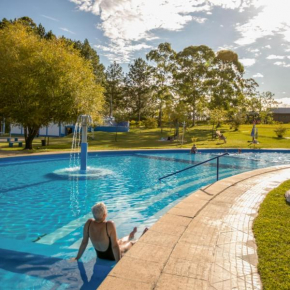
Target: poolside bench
column 9, row 139
column 11, row 143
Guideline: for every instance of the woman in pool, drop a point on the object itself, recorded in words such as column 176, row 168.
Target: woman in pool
column 103, row 236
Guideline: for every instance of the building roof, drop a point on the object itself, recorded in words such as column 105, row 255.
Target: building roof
column 281, row 110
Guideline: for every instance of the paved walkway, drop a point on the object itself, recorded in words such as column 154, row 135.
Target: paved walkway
column 204, row 242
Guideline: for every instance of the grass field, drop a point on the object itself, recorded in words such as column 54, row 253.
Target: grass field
column 272, row 233
column 149, row 139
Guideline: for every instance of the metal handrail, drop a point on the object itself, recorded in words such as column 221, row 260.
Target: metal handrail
column 217, row 172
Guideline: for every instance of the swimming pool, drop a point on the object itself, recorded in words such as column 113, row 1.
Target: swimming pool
column 42, row 211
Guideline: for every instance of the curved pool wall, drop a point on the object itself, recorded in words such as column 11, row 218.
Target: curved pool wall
column 42, row 214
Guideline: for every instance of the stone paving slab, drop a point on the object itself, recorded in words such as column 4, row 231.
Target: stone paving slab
column 204, row 242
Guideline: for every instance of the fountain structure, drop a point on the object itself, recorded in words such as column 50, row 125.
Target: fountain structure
column 78, row 166
column 85, row 121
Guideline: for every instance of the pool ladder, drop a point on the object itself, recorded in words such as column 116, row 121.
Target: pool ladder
column 195, row 165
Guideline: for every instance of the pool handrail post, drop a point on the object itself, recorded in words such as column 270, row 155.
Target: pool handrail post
column 217, row 168
column 217, row 157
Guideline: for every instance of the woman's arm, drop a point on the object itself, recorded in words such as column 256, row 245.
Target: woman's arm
column 114, row 240
column 84, row 241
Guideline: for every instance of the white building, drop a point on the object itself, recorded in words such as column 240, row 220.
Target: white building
column 52, row 130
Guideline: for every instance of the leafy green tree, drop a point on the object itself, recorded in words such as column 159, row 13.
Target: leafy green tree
column 137, row 88
column 176, row 112
column 226, row 81
column 237, row 118
column 191, row 76
column 217, row 116
column 91, row 55
column 43, row 81
column 30, row 25
column 88, row 53
column 250, row 92
column 261, row 105
column 163, row 56
column 114, row 86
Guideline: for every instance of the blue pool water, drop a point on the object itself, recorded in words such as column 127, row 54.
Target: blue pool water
column 42, row 212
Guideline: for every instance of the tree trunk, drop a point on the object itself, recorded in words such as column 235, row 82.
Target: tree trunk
column 160, row 118
column 111, row 106
column 176, row 128
column 212, row 132
column 193, row 115
column 29, row 135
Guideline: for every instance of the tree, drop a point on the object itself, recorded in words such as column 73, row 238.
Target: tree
column 43, row 81
column 114, row 86
column 138, row 87
column 191, row 75
column 91, row 55
column 176, row 112
column 88, row 53
column 217, row 116
column 30, row 25
column 266, row 102
column 163, row 56
column 226, row 81
column 260, row 105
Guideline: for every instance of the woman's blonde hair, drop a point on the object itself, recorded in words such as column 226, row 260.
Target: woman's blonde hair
column 99, row 210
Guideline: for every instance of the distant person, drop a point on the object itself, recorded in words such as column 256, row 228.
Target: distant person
column 193, row 149
column 222, row 137
column 103, row 236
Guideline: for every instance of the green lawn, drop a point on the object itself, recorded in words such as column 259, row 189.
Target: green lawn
column 272, row 233
column 148, row 139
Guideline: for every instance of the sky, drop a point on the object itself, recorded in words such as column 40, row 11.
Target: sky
column 123, row 30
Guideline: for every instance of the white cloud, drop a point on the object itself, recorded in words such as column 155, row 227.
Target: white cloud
column 282, row 63
column 50, row 18
column 227, row 47
column 66, row 30
column 258, row 75
column 253, row 49
column 283, row 101
column 113, row 52
column 126, row 22
column 273, row 18
column 247, row 61
column 273, row 56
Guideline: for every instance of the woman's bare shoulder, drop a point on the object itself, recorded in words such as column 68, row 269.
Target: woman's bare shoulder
column 88, row 222
column 111, row 225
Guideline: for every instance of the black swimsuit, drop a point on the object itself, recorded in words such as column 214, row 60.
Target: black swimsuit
column 108, row 254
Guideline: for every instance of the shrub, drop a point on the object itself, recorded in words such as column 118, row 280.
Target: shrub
column 280, row 131
column 150, row 123
column 139, row 124
column 237, row 120
column 133, row 123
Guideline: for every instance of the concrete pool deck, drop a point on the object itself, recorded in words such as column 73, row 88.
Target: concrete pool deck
column 204, row 242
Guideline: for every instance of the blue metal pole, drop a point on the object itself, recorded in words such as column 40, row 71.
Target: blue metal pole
column 84, row 153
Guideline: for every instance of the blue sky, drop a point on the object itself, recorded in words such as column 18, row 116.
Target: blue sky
column 121, row 30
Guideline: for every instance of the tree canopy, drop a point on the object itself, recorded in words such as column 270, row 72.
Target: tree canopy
column 44, row 80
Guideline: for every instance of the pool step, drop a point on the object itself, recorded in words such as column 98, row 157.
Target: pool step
column 28, row 247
